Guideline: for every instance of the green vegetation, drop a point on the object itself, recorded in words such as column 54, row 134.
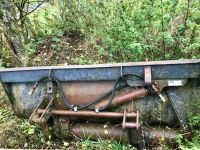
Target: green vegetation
column 108, row 31
column 15, row 132
column 134, row 30
column 193, row 143
column 108, row 145
column 88, row 32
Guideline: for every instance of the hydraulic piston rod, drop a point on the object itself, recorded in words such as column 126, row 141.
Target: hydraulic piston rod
column 124, row 98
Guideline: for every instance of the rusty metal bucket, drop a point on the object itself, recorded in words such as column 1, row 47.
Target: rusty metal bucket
column 125, row 96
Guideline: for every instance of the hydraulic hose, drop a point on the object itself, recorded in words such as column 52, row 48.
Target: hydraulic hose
column 111, row 93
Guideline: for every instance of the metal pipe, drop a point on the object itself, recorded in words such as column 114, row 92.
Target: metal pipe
column 124, row 98
column 116, row 132
column 162, row 134
column 88, row 113
column 97, row 131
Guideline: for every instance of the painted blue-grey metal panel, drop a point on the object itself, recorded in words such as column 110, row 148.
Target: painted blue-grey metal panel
column 160, row 70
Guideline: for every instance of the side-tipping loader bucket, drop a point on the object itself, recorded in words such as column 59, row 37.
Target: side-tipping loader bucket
column 128, row 102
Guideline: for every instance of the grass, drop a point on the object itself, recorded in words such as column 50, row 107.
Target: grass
column 104, row 145
column 16, row 132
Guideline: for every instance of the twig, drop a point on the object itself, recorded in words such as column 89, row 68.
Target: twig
column 187, row 13
column 27, row 13
column 162, row 24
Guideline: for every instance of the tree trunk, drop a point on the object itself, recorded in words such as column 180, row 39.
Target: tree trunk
column 11, row 30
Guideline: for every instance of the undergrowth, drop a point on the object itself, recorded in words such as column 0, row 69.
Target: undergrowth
column 134, row 30
column 104, row 145
column 16, row 132
column 194, row 142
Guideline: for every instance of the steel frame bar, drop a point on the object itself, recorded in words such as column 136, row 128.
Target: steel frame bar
column 88, row 113
column 181, row 69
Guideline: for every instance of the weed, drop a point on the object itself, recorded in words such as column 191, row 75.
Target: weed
column 104, row 145
column 194, row 122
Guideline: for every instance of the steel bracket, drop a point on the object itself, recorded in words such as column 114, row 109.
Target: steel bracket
column 50, row 87
column 35, row 117
column 126, row 124
column 147, row 75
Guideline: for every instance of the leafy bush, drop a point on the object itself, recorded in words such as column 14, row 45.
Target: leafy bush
column 134, row 30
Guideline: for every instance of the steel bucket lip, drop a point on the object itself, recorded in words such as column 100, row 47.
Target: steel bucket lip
column 147, row 63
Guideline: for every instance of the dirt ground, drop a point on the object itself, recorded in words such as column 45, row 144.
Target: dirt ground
column 70, row 49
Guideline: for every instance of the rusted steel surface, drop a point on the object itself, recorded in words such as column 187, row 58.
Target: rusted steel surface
column 160, row 135
column 35, row 119
column 184, row 100
column 153, row 135
column 84, row 92
column 124, row 98
column 31, row 118
column 96, row 131
column 126, row 124
column 111, row 115
column 82, row 85
column 88, row 113
column 151, row 109
column 46, row 109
